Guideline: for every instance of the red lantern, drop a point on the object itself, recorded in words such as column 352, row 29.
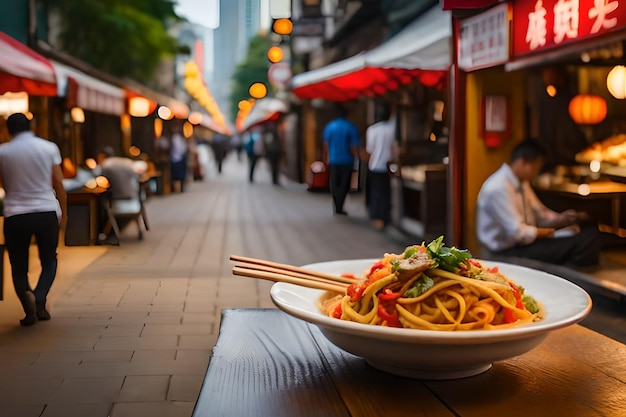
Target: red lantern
column 587, row 109
column 429, row 79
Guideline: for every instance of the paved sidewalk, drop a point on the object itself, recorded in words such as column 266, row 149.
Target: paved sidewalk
column 133, row 326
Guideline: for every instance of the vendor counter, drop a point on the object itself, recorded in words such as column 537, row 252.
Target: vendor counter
column 419, row 200
column 84, row 216
column 601, row 199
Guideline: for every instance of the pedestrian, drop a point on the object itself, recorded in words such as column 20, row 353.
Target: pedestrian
column 220, row 145
column 255, row 149
column 341, row 142
column 273, row 149
column 512, row 221
column 179, row 152
column 381, row 148
column 35, row 204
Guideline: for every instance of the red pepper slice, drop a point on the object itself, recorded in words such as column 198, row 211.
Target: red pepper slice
column 375, row 267
column 475, row 262
column 387, row 295
column 336, row 312
column 387, row 311
column 355, row 291
column 509, row 314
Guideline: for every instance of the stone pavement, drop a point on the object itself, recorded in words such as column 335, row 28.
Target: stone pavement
column 133, row 326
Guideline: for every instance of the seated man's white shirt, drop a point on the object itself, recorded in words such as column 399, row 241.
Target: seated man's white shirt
column 121, row 174
column 506, row 216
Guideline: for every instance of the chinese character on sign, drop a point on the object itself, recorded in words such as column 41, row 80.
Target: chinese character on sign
column 565, row 20
column 599, row 11
column 536, row 34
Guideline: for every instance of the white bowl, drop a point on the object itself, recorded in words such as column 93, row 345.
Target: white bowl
column 431, row 354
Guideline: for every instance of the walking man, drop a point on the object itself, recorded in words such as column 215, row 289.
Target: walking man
column 34, row 205
column 341, row 142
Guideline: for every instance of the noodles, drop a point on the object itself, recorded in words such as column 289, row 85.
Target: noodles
column 434, row 288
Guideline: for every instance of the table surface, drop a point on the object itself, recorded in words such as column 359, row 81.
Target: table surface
column 266, row 363
column 598, row 187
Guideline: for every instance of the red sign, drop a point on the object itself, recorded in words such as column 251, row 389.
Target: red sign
column 544, row 24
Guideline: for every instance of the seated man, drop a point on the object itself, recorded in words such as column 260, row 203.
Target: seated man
column 123, row 175
column 512, row 221
column 120, row 171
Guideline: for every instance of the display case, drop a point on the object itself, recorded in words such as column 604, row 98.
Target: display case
column 419, row 205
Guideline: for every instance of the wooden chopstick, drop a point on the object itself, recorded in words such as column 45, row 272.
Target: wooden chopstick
column 278, row 277
column 286, row 269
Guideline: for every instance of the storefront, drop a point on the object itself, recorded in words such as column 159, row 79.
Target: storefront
column 410, row 70
column 551, row 85
column 27, row 80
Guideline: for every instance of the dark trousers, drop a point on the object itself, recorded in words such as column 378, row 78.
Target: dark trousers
column 580, row 250
column 274, row 159
column 252, row 160
column 379, row 195
column 18, row 232
column 339, row 177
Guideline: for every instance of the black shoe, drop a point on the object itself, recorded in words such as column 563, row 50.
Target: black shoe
column 43, row 314
column 341, row 212
column 30, row 308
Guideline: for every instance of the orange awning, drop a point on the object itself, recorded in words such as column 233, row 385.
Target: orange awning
column 22, row 69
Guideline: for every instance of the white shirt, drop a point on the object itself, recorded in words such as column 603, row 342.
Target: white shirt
column 120, row 172
column 509, row 212
column 179, row 148
column 379, row 143
column 26, row 167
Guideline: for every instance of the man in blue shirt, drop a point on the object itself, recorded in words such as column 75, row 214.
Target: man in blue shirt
column 341, row 142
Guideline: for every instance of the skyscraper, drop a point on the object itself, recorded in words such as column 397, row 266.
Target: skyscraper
column 240, row 20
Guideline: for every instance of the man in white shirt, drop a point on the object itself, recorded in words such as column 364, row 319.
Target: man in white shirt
column 381, row 148
column 34, row 205
column 512, row 221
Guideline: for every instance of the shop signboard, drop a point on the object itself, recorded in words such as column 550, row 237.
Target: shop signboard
column 543, row 24
column 484, row 39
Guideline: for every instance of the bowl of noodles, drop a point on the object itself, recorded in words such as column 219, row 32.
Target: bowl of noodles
column 413, row 349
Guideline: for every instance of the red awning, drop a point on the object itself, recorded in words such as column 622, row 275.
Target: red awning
column 420, row 51
column 22, row 69
column 87, row 92
column 264, row 110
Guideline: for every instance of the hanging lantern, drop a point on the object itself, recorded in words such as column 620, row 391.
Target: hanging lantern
column 258, row 90
column 587, row 109
column 616, row 82
column 140, row 106
column 429, row 78
column 275, row 54
column 282, row 26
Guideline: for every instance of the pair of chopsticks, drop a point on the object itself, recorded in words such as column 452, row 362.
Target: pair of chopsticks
column 272, row 271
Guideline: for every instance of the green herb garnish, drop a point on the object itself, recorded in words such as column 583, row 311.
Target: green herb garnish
column 446, row 258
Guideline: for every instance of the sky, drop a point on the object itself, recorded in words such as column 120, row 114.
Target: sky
column 202, row 12
column 206, row 12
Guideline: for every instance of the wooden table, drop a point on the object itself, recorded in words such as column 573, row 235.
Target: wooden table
column 599, row 190
column 83, row 207
column 267, row 363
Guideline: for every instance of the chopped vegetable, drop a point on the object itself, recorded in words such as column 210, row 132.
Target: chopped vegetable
column 446, row 258
column 419, row 287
